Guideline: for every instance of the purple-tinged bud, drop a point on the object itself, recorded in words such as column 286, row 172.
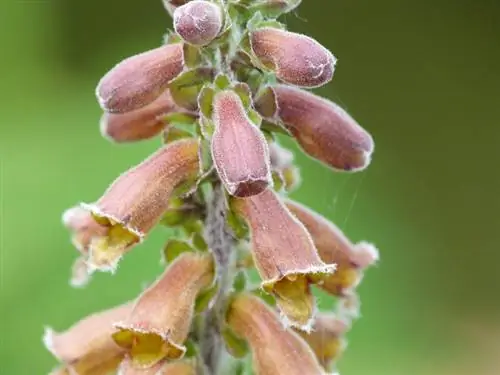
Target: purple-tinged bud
column 139, row 80
column 296, row 59
column 323, row 129
column 275, row 349
column 326, row 338
column 239, row 149
column 161, row 318
column 161, row 368
column 284, row 255
column 143, row 123
column 137, row 199
column 87, row 347
column 334, row 247
column 198, row 22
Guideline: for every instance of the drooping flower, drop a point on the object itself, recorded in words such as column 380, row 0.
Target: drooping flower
column 295, row 58
column 275, row 349
column 137, row 199
column 284, row 254
column 87, row 347
column 161, row 318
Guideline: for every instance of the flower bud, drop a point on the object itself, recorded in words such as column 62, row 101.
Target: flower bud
column 239, row 150
column 143, row 123
column 282, row 163
column 284, row 255
column 275, row 349
column 161, row 368
column 295, row 58
column 138, row 80
column 198, row 22
column 323, row 129
column 137, row 199
column 161, row 318
column 334, row 247
column 326, row 338
column 87, row 347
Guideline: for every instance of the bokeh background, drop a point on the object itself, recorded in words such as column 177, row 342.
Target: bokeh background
column 422, row 76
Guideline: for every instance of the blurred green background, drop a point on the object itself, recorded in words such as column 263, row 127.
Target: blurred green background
column 422, row 76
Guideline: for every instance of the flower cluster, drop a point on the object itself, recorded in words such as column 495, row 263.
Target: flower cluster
column 224, row 86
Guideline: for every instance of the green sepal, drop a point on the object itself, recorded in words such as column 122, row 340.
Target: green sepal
column 173, row 248
column 191, row 349
column 254, row 117
column 245, row 94
column 274, row 127
column 222, row 82
column 235, row 345
column 240, row 281
column 187, row 86
column 192, row 56
column 278, row 181
column 205, row 297
column 205, row 100
column 263, row 295
column 237, row 225
column 174, row 133
column 274, row 9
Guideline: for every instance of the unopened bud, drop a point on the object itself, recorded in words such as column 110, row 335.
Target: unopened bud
column 139, row 80
column 275, row 349
column 161, row 318
column 87, row 347
column 295, row 58
column 323, row 129
column 326, row 338
column 284, row 255
column 282, row 164
column 334, row 247
column 161, row 368
column 143, row 123
column 137, row 199
column 198, row 22
column 239, row 150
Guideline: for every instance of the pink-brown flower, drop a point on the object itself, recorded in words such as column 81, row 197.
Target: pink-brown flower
column 143, row 123
column 137, row 199
column 275, row 349
column 284, row 254
column 138, row 80
column 323, row 129
column 239, row 150
column 296, row 59
column 334, row 247
column 198, row 22
column 161, row 368
column 161, row 318
column 87, row 347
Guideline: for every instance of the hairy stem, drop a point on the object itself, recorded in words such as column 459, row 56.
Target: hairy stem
column 220, row 242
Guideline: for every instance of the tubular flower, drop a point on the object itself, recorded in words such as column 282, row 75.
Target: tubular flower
column 326, row 338
column 275, row 349
column 323, row 129
column 296, row 59
column 239, row 150
column 198, row 22
column 160, row 320
column 138, row 80
column 161, row 368
column 334, row 247
column 143, row 123
column 87, row 347
column 137, row 199
column 284, row 255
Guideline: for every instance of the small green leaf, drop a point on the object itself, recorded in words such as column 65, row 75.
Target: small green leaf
column 236, row 224
column 173, row 248
column 187, row 86
column 274, row 127
column 191, row 349
column 243, row 91
column 278, row 181
column 184, row 118
column 173, row 133
column 240, row 281
column 222, row 81
column 199, row 242
column 235, row 345
column 205, row 101
column 254, row 117
column 266, row 297
column 192, row 56
column 205, row 297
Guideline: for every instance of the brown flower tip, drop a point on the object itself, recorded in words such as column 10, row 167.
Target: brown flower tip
column 143, row 123
column 326, row 338
column 284, row 255
column 296, row 59
column 160, row 320
column 139, row 80
column 198, row 22
column 334, row 247
column 239, row 150
column 323, row 129
column 275, row 349
column 137, row 199
column 161, row 368
column 87, row 348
